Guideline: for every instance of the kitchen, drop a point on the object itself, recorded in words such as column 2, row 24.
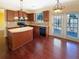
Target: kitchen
column 35, row 29
column 40, row 28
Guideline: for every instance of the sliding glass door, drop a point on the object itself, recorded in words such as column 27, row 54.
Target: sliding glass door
column 72, row 25
column 57, row 20
column 66, row 25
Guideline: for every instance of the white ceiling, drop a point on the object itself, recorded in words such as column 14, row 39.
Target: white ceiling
column 30, row 4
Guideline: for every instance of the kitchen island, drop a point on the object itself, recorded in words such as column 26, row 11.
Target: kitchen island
column 17, row 37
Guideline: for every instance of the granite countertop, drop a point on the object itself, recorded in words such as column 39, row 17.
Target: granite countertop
column 22, row 29
column 42, row 25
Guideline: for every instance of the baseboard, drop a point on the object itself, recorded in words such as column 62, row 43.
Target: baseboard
column 3, row 32
column 61, row 38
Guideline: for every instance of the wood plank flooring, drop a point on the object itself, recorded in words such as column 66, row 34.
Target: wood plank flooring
column 45, row 48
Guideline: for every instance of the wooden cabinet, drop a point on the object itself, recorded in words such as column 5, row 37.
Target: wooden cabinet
column 15, row 14
column 10, row 15
column 24, row 14
column 46, row 15
column 18, row 39
column 30, row 17
column 36, row 31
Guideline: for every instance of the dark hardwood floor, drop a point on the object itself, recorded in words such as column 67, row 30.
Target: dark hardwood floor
column 45, row 48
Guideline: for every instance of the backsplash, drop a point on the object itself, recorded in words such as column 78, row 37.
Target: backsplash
column 37, row 23
column 14, row 24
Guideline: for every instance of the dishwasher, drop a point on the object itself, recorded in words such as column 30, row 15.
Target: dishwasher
column 42, row 31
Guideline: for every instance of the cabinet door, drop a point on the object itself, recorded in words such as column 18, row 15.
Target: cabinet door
column 24, row 14
column 20, row 13
column 46, row 15
column 30, row 17
column 36, row 31
column 10, row 15
column 16, row 15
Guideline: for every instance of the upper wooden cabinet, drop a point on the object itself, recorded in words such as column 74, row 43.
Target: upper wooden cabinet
column 10, row 15
column 15, row 13
column 30, row 17
column 24, row 14
column 46, row 15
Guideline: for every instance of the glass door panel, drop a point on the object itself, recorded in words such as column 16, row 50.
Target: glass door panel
column 57, row 24
column 72, row 25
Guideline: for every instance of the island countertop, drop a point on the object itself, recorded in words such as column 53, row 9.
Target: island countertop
column 14, row 30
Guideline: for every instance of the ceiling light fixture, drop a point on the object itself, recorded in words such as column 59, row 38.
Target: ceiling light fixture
column 21, row 17
column 58, row 7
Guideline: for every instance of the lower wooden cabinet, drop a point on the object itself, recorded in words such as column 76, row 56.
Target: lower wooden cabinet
column 40, row 31
column 36, row 31
column 16, row 40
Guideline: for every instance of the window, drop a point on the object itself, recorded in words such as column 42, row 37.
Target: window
column 39, row 16
column 72, row 25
